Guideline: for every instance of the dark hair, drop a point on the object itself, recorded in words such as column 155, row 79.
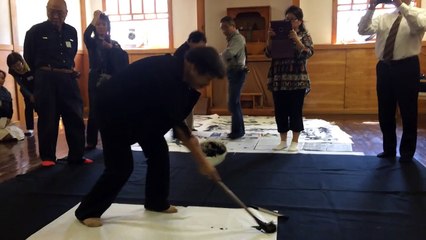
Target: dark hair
column 298, row 13
column 13, row 58
column 4, row 73
column 105, row 18
column 228, row 20
column 206, row 61
column 196, row 37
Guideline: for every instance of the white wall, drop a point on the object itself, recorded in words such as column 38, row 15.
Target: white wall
column 216, row 9
column 184, row 20
column 184, row 17
column 91, row 7
column 6, row 33
column 318, row 19
column 34, row 11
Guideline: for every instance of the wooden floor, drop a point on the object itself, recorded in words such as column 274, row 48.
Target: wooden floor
column 20, row 157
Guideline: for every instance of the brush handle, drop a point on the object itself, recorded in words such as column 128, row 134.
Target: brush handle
column 236, row 199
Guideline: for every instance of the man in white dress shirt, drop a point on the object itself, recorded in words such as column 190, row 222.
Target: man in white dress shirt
column 398, row 72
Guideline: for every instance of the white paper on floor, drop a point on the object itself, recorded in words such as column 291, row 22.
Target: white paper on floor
column 261, row 135
column 124, row 221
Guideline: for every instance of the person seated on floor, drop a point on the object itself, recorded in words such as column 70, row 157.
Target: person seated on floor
column 20, row 71
column 8, row 131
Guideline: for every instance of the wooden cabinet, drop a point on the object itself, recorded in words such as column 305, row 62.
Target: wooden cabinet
column 253, row 24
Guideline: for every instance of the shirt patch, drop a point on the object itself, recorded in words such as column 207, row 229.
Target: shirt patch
column 68, row 44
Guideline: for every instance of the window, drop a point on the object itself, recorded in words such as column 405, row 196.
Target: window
column 348, row 13
column 140, row 24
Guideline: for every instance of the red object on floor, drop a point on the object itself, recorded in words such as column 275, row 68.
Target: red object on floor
column 88, row 161
column 48, row 163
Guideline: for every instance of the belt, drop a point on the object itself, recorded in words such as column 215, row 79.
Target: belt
column 59, row 70
column 392, row 62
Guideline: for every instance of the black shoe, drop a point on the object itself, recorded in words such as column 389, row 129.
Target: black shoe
column 29, row 133
column 233, row 136
column 406, row 158
column 83, row 160
column 386, row 155
column 89, row 148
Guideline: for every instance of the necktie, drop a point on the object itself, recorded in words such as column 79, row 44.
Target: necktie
column 390, row 41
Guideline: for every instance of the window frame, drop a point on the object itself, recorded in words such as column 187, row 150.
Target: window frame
column 334, row 22
column 170, row 25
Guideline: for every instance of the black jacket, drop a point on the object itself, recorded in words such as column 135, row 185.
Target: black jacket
column 149, row 97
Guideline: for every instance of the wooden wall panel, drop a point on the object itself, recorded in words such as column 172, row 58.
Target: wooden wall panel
column 135, row 55
column 360, row 89
column 343, row 81
column 256, row 81
column 327, row 72
column 219, row 94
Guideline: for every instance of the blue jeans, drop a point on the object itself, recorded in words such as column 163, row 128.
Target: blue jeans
column 236, row 80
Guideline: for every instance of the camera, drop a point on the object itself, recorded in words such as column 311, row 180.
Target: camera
column 384, row 1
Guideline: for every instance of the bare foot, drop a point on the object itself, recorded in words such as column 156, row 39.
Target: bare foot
column 171, row 209
column 92, row 222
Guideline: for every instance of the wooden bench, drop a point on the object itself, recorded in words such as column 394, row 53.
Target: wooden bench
column 255, row 99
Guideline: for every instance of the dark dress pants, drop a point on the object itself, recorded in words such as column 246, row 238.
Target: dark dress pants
column 398, row 83
column 29, row 113
column 116, row 141
column 92, row 127
column 58, row 95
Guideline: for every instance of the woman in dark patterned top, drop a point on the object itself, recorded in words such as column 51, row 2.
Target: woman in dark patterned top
column 20, row 71
column 103, row 54
column 288, row 79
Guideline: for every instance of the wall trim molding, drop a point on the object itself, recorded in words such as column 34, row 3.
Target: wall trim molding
column 7, row 47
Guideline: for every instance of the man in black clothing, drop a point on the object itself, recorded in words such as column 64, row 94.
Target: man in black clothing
column 195, row 39
column 141, row 104
column 49, row 49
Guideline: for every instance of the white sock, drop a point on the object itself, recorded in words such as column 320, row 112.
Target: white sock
column 280, row 146
column 293, row 147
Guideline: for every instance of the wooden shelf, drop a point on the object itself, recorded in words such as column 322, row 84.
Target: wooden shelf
column 252, row 22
